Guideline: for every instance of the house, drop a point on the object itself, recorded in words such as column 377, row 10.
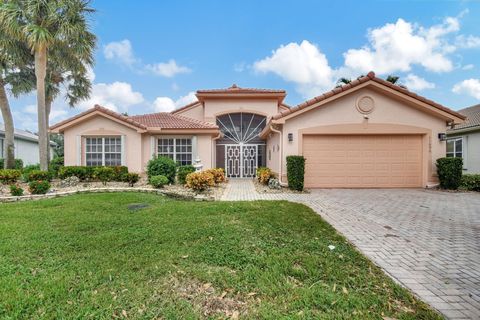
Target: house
column 369, row 133
column 26, row 145
column 464, row 140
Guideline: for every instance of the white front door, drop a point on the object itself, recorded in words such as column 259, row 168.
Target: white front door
column 241, row 160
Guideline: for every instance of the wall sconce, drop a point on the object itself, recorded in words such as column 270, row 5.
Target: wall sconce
column 442, row 136
column 290, row 137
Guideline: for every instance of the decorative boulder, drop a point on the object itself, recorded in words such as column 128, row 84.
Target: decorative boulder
column 274, row 183
column 69, row 182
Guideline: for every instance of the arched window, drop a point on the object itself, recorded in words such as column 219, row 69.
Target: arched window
column 241, row 127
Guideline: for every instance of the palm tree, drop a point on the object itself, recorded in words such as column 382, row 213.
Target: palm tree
column 392, row 79
column 43, row 25
column 343, row 81
column 13, row 57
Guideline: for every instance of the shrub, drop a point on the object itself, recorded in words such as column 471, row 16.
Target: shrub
column 470, row 182
column 15, row 190
column 55, row 165
column 37, row 175
column 18, row 164
column 104, row 174
column 162, row 166
column 218, row 174
column 295, row 172
column 119, row 172
column 131, row 178
column 70, row 171
column 264, row 174
column 158, row 181
column 182, row 173
column 9, row 176
column 449, row 172
column 274, row 183
column 39, row 187
column 200, row 181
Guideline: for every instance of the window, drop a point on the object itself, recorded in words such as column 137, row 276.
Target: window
column 455, row 148
column 1, row 149
column 178, row 149
column 103, row 151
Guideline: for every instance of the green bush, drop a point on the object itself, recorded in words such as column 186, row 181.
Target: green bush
column 39, row 187
column 27, row 169
column 182, row 173
column 131, row 178
column 295, row 172
column 9, row 176
column 449, row 172
column 200, row 181
column 119, row 172
column 18, row 164
column 70, row 171
column 36, row 175
column 55, row 165
column 15, row 190
column 104, row 174
column 162, row 166
column 470, row 182
column 158, row 181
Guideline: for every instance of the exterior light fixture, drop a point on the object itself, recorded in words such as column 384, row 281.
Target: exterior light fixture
column 442, row 136
column 290, row 137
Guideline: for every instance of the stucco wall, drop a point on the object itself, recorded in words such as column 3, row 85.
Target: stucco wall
column 471, row 152
column 195, row 112
column 214, row 107
column 101, row 126
column 273, row 152
column 387, row 111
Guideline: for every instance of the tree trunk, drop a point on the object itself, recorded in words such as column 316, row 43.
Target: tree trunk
column 48, row 108
column 40, row 71
column 9, row 145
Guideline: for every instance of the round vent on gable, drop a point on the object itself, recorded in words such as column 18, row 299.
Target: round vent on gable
column 365, row 104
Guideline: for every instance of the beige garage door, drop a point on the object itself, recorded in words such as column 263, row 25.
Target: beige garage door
column 363, row 161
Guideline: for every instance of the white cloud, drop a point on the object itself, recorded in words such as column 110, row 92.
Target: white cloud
column 303, row 64
column 120, row 51
column 55, row 114
column 469, row 86
column 117, row 96
column 398, row 46
column 166, row 104
column 468, row 67
column 467, row 42
column 167, row 69
column 414, row 82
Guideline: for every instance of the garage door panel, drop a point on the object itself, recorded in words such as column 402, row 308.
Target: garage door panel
column 358, row 161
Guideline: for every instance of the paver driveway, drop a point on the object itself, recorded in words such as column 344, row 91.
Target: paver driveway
column 427, row 240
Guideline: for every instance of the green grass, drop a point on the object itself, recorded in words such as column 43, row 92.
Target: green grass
column 90, row 256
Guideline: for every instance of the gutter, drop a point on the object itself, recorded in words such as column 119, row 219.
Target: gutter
column 283, row 184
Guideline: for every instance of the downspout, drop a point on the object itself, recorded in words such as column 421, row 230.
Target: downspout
column 280, row 153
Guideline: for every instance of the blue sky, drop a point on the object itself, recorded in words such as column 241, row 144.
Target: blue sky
column 153, row 55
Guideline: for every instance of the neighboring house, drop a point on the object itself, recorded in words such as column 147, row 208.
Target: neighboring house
column 26, row 145
column 464, row 140
column 369, row 133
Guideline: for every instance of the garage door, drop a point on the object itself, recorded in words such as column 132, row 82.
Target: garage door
column 363, row 161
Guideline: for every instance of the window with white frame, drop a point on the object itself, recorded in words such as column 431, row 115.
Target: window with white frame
column 178, row 149
column 103, row 151
column 455, row 148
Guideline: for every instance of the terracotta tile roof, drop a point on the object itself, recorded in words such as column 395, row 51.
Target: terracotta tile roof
column 369, row 77
column 236, row 89
column 163, row 120
column 186, row 106
column 473, row 118
column 166, row 120
column 104, row 110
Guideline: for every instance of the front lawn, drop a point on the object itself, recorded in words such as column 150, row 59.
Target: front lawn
column 104, row 256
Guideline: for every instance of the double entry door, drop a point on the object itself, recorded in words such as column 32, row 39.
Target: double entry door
column 241, row 160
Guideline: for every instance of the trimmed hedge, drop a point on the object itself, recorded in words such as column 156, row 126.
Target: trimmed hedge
column 131, row 178
column 296, row 172
column 104, row 174
column 9, row 176
column 55, row 165
column 39, row 187
column 36, row 175
column 88, row 173
column 182, row 173
column 470, row 182
column 18, row 164
column 162, row 166
column 449, row 171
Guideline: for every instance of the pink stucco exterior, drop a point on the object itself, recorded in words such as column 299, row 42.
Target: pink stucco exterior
column 393, row 113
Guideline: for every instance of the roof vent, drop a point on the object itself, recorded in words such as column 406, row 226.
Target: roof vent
column 234, row 86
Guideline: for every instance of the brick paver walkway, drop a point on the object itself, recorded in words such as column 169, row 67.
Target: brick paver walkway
column 427, row 240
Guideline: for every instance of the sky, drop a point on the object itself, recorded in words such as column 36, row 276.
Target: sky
column 152, row 56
